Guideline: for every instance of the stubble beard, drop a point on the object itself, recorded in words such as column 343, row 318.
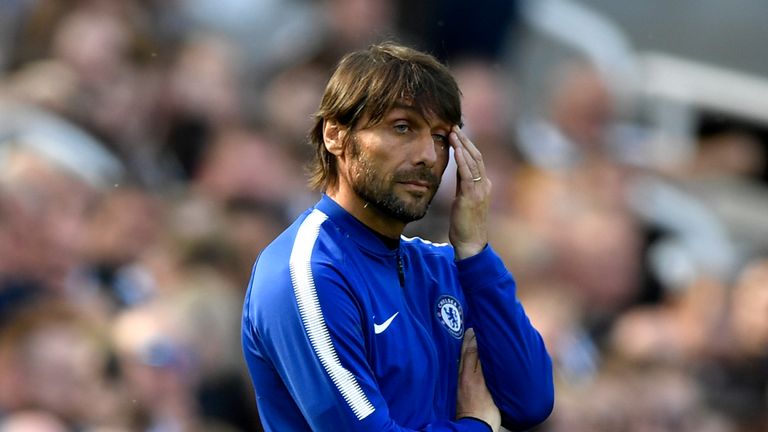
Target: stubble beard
column 379, row 192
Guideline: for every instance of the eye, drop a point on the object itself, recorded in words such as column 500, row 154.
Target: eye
column 402, row 128
column 440, row 138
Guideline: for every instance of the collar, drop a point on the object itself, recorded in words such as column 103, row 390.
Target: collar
column 353, row 228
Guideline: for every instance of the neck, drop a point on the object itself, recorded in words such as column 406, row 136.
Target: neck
column 366, row 213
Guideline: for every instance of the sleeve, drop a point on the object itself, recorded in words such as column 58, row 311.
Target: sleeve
column 517, row 367
column 319, row 351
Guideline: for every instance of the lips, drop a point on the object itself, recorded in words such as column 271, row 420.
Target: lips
column 421, row 183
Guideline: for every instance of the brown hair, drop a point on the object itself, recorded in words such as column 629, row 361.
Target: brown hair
column 370, row 82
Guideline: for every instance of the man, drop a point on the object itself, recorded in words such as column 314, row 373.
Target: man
column 347, row 325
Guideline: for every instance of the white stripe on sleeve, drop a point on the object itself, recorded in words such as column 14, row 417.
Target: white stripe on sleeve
column 312, row 316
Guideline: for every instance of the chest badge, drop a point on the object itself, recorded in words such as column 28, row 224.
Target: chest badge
column 448, row 311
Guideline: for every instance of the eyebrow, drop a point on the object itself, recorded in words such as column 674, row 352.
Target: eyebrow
column 412, row 109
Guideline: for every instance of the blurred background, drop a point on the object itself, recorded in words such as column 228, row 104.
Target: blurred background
column 149, row 149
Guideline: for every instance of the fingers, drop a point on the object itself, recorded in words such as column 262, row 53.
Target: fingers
column 470, row 146
column 468, row 231
column 465, row 173
column 468, row 351
column 468, row 158
column 473, row 399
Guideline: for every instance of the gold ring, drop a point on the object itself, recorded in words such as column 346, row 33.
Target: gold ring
column 477, row 179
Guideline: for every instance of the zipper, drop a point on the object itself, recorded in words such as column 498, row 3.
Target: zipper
column 400, row 269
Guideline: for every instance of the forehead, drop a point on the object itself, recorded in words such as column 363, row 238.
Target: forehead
column 420, row 112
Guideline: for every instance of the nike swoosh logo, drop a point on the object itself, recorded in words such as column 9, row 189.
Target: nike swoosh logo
column 378, row 328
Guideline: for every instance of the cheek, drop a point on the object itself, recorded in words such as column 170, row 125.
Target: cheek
column 443, row 158
column 362, row 168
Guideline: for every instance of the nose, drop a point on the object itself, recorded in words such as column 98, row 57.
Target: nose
column 423, row 150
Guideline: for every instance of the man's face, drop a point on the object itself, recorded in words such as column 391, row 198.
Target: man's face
column 396, row 165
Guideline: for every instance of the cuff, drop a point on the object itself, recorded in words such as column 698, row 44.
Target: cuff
column 477, row 424
column 480, row 270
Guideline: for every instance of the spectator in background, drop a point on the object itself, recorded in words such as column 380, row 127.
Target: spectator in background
column 748, row 323
column 121, row 226
column 48, row 84
column 49, row 351
column 177, row 358
column 288, row 102
column 727, row 175
column 32, row 420
column 735, row 376
column 44, row 218
column 157, row 368
column 115, row 94
column 575, row 125
column 269, row 34
column 51, row 173
column 243, row 164
column 201, row 98
column 356, row 23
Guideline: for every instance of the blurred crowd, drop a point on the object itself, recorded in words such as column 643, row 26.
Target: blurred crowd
column 150, row 148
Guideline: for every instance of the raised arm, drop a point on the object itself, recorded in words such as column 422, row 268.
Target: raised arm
column 516, row 365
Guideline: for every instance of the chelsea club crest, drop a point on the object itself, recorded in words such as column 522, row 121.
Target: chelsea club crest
column 449, row 313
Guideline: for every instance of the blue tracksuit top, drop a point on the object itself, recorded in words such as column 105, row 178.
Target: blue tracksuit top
column 342, row 333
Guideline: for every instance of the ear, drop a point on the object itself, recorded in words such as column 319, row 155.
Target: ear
column 333, row 137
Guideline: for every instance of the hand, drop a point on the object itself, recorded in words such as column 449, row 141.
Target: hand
column 474, row 399
column 468, row 231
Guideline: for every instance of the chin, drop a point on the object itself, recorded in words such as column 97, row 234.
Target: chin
column 415, row 211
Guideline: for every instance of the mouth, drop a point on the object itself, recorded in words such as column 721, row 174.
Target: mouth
column 420, row 183
column 417, row 186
